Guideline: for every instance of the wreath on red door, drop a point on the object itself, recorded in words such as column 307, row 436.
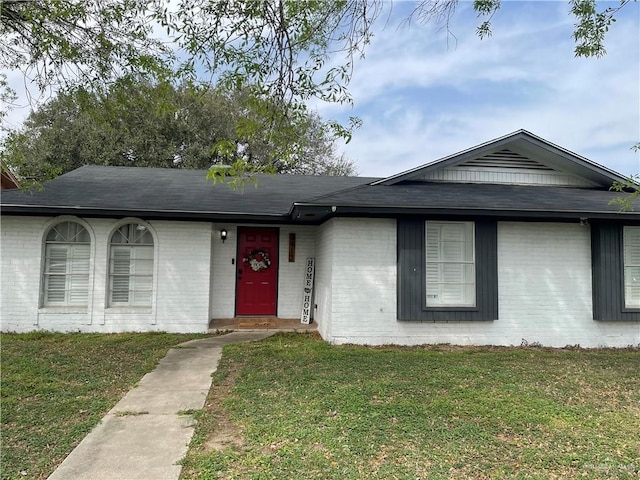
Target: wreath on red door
column 258, row 260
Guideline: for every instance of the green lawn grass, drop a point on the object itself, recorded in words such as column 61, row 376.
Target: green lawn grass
column 56, row 387
column 294, row 407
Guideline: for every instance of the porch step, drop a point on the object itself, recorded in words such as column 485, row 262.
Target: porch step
column 260, row 323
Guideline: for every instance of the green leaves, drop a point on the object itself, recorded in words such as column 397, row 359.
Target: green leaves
column 282, row 47
column 68, row 42
column 485, row 8
column 592, row 26
column 630, row 190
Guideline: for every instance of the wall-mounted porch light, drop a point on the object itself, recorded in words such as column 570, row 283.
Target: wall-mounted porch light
column 223, row 234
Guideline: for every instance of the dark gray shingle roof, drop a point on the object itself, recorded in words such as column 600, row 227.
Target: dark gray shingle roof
column 470, row 198
column 188, row 195
column 157, row 191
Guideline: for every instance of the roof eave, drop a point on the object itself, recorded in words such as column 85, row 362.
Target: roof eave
column 35, row 210
column 376, row 210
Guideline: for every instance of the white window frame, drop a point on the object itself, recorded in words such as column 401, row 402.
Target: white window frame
column 436, row 291
column 631, row 266
column 67, row 264
column 138, row 275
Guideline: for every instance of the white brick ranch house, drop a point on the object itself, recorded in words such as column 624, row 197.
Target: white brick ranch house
column 508, row 242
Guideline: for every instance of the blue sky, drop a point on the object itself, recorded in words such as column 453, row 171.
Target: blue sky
column 423, row 94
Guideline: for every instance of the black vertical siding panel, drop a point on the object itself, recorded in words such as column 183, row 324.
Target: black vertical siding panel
column 414, row 267
column 490, row 268
column 418, row 268
column 487, row 266
column 608, row 274
column 487, row 284
column 494, row 281
column 608, row 287
column 596, row 269
column 613, row 272
column 411, row 274
column 401, row 267
column 616, row 272
column 481, row 270
column 409, row 262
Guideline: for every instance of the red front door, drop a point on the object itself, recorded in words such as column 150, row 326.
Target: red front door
column 257, row 271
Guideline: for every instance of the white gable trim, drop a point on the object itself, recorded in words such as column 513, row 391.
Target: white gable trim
column 508, row 167
column 524, row 144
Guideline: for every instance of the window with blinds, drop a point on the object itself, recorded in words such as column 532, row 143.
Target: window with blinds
column 66, row 265
column 631, row 242
column 131, row 266
column 450, row 264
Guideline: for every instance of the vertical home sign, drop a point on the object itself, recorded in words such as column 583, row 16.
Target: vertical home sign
column 307, row 293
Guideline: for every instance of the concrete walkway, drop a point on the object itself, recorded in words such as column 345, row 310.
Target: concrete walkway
column 148, row 432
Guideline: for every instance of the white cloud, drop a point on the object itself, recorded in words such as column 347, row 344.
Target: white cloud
column 420, row 101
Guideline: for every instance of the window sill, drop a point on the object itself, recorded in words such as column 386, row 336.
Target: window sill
column 450, row 309
column 418, row 320
column 63, row 309
column 630, row 309
column 128, row 310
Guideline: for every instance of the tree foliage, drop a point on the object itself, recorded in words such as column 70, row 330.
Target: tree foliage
column 283, row 52
column 629, row 188
column 65, row 42
column 155, row 124
column 290, row 50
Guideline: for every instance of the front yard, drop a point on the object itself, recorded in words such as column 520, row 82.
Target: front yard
column 55, row 388
column 294, row 407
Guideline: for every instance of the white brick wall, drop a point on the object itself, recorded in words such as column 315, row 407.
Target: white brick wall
column 544, row 284
column 223, row 272
column 181, row 280
column 290, row 274
column 544, row 290
column 356, row 279
column 323, row 291
column 20, row 256
column 544, row 272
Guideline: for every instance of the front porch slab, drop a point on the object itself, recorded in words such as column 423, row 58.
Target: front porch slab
column 260, row 323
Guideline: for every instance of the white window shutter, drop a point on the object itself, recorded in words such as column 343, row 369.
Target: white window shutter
column 57, row 258
column 67, row 265
column 434, row 270
column 143, row 260
column 450, row 265
column 55, row 289
column 631, row 267
column 55, row 274
column 142, row 282
column 131, row 275
column 120, row 270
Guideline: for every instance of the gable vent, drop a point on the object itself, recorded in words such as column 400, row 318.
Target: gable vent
column 505, row 159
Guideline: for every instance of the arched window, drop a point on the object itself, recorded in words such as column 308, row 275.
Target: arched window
column 131, row 266
column 66, row 265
